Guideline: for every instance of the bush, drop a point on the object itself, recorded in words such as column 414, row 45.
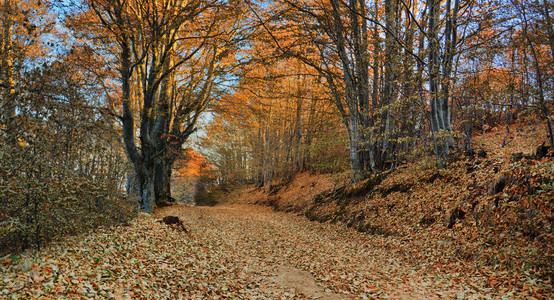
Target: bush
column 40, row 202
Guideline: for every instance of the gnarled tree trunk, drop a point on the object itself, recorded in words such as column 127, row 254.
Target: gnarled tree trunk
column 162, row 183
column 145, row 186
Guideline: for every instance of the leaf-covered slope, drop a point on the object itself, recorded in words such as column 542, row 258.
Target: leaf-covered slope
column 492, row 215
column 238, row 252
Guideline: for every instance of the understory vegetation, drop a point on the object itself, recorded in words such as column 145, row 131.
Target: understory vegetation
column 76, row 190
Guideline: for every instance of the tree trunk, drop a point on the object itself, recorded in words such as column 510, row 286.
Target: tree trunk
column 131, row 186
column 354, row 139
column 297, row 133
column 439, row 106
column 542, row 99
column 8, row 104
column 145, row 186
column 162, row 183
column 375, row 92
column 355, row 77
column 391, row 75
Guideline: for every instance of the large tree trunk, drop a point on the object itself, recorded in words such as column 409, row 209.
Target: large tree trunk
column 162, row 183
column 360, row 67
column 355, row 78
column 145, row 186
column 374, row 93
column 162, row 125
column 451, row 39
column 391, row 69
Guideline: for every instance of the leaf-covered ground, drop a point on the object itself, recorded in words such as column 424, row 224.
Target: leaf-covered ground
column 490, row 215
column 238, row 252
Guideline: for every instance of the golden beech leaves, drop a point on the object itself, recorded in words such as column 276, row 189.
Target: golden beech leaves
column 438, row 112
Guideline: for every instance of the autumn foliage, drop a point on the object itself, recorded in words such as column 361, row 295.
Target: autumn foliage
column 426, row 121
column 488, row 217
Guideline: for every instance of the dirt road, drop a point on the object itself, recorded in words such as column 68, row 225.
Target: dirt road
column 231, row 252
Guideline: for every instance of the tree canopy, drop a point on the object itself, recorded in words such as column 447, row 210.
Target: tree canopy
column 104, row 96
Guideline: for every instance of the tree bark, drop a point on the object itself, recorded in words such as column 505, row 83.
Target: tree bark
column 390, row 92
column 355, row 75
column 354, row 139
column 145, row 186
column 162, row 183
column 542, row 100
column 440, row 118
column 131, row 186
column 7, row 75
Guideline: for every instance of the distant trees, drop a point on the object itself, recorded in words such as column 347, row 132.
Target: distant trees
column 504, row 67
column 191, row 172
column 276, row 124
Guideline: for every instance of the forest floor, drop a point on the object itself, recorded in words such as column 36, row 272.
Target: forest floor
column 239, row 252
column 236, row 251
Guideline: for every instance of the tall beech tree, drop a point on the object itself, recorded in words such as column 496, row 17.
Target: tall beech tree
column 170, row 54
column 440, row 72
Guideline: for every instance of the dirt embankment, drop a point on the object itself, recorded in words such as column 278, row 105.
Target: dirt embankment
column 492, row 212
